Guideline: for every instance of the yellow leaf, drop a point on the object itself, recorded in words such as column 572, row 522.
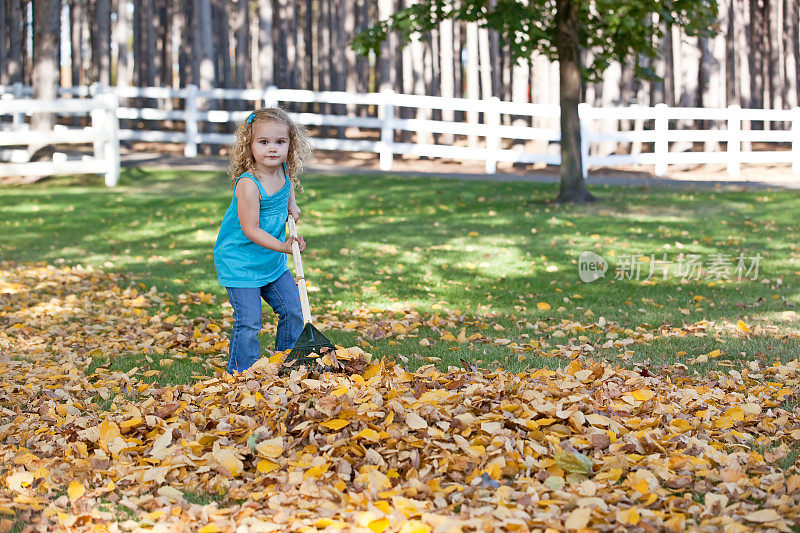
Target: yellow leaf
column 642, row 486
column 574, row 463
column 384, row 506
column 414, row 526
column 628, row 516
column 379, row 525
column 270, row 448
column 741, row 326
column 265, row 466
column 680, row 425
column 447, row 336
column 543, row 306
column 372, row 371
column 335, row 424
column 209, row 528
column 75, row 490
column 317, row 471
column 369, row 434
column 226, row 457
column 341, row 391
column 133, row 422
column 108, row 431
column 642, row 395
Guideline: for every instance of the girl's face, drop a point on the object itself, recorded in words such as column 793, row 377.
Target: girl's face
column 270, row 144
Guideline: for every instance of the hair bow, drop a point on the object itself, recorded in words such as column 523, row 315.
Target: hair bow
column 250, row 117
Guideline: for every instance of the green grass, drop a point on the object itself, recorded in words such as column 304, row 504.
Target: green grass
column 489, row 250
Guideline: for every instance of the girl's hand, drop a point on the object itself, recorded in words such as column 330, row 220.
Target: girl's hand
column 300, row 243
column 295, row 212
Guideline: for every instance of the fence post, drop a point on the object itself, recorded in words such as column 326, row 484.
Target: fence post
column 796, row 141
column 271, row 96
column 190, row 148
column 385, row 147
column 661, row 147
column 734, row 140
column 492, row 115
column 583, row 117
column 99, row 128
column 18, row 117
column 111, row 145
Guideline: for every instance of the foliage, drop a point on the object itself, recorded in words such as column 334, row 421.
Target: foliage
column 610, row 30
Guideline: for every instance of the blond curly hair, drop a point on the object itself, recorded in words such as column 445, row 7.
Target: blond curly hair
column 300, row 148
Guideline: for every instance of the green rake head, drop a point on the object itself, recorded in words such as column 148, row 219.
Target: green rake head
column 311, row 341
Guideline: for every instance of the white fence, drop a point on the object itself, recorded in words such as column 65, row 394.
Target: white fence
column 102, row 135
column 659, row 129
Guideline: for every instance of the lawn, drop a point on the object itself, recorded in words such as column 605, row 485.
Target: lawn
column 496, row 389
column 486, row 255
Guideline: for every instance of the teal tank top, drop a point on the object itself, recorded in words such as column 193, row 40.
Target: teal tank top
column 239, row 261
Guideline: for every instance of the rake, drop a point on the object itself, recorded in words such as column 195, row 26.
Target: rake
column 312, row 344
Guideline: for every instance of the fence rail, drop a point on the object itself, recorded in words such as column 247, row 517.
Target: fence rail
column 655, row 139
column 102, row 134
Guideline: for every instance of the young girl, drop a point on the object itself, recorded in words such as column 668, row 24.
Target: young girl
column 250, row 252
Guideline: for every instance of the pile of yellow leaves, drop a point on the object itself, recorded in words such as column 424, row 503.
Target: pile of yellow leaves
column 589, row 447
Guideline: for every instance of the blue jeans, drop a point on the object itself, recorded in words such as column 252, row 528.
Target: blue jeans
column 284, row 298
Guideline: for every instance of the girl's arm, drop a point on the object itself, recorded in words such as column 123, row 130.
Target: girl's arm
column 247, row 195
column 293, row 209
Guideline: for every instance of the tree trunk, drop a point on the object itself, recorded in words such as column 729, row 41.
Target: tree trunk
column 5, row 24
column 473, row 87
column 123, row 51
column 447, row 88
column 573, row 186
column 386, row 78
column 265, row 44
column 790, row 46
column 76, row 15
column 102, row 51
column 242, row 29
column 46, row 32
column 363, row 66
column 222, row 48
column 15, row 26
column 186, row 63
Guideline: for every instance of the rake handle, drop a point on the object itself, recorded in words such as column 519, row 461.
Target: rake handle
column 301, row 278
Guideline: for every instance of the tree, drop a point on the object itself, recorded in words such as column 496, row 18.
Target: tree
column 610, row 29
column 46, row 29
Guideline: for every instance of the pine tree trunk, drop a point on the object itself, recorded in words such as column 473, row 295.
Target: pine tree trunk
column 76, row 15
column 186, row 63
column 447, row 87
column 15, row 26
column 301, row 69
column 149, row 65
column 363, row 66
column 222, row 47
column 731, row 65
column 266, row 47
column 338, row 44
column 791, row 42
column 102, row 51
column 5, row 24
column 123, row 50
column 385, row 67
column 350, row 76
column 242, row 50
column 573, row 186
column 473, row 87
column 520, row 82
column 46, row 32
